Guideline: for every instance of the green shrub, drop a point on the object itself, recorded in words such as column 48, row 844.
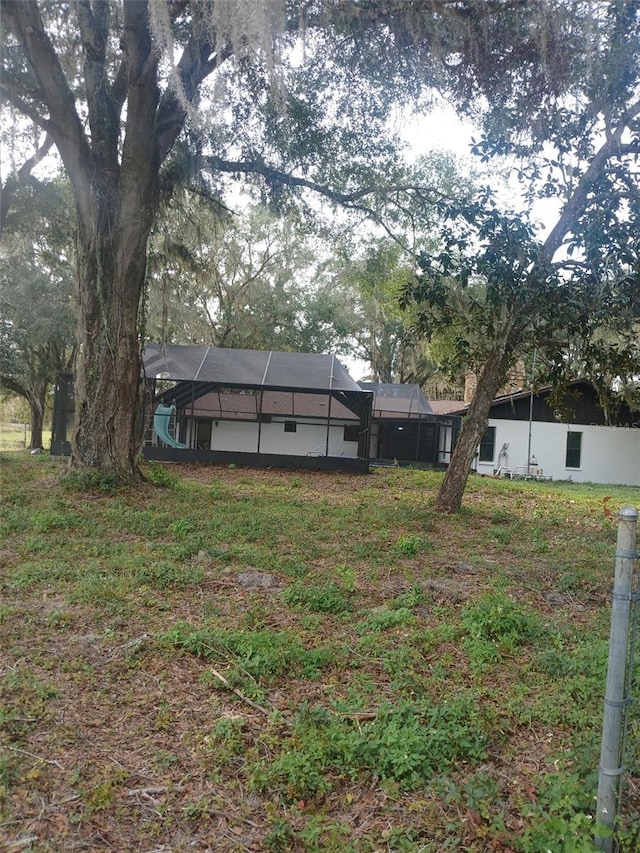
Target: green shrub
column 410, row 742
column 263, row 655
column 319, row 598
column 497, row 619
column 405, row 744
column 561, row 819
column 408, row 546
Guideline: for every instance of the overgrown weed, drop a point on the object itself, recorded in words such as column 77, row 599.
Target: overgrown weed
column 396, row 666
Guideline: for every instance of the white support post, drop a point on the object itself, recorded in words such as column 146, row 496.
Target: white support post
column 611, row 759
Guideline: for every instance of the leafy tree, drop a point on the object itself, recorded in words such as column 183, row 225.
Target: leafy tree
column 37, row 316
column 115, row 100
column 386, row 337
column 253, row 280
column 583, row 277
column 383, row 337
column 490, row 290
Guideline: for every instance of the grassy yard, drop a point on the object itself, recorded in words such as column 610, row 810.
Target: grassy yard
column 18, row 436
column 244, row 660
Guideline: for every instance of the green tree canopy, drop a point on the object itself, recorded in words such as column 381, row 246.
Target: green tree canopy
column 498, row 288
column 490, row 291
column 252, row 280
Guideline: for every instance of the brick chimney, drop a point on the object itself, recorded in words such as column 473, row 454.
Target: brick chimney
column 470, row 385
column 516, row 378
column 516, row 381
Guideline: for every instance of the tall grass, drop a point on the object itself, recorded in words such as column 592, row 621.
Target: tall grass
column 299, row 661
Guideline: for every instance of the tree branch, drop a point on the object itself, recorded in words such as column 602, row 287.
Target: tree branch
column 14, row 181
column 103, row 113
column 196, row 63
column 352, row 201
column 254, row 167
column 139, row 170
column 8, row 383
column 23, row 20
column 577, row 203
column 24, row 107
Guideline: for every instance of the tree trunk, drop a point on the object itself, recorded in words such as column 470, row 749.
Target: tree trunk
column 36, row 400
column 109, row 406
column 116, row 210
column 112, row 260
column 108, row 429
column 451, row 491
column 37, row 420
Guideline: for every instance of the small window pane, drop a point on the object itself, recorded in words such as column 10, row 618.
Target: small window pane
column 352, row 433
column 488, row 445
column 574, row 449
column 290, row 426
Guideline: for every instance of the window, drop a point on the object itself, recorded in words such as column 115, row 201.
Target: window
column 352, row 433
column 445, row 442
column 574, row 449
column 290, row 426
column 488, row 445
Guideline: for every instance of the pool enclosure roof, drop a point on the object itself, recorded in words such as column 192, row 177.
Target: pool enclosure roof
column 248, row 368
column 393, row 400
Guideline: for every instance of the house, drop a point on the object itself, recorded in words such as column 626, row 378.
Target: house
column 405, row 428
column 274, row 409
column 528, row 437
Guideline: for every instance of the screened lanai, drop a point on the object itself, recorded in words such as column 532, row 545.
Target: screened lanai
column 277, row 409
column 405, row 429
column 280, row 409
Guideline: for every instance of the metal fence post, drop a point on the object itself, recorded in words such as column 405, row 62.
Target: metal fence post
column 615, row 701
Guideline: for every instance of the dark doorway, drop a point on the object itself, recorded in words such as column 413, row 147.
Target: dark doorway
column 408, row 441
column 203, row 434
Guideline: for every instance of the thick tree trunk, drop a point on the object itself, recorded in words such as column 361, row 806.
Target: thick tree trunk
column 37, row 420
column 475, row 423
column 115, row 217
column 109, row 429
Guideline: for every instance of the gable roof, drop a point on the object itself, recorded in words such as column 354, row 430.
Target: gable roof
column 580, row 405
column 446, row 407
column 247, row 368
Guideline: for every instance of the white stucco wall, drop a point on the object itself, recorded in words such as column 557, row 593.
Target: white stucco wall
column 608, row 455
column 310, row 438
column 234, row 435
